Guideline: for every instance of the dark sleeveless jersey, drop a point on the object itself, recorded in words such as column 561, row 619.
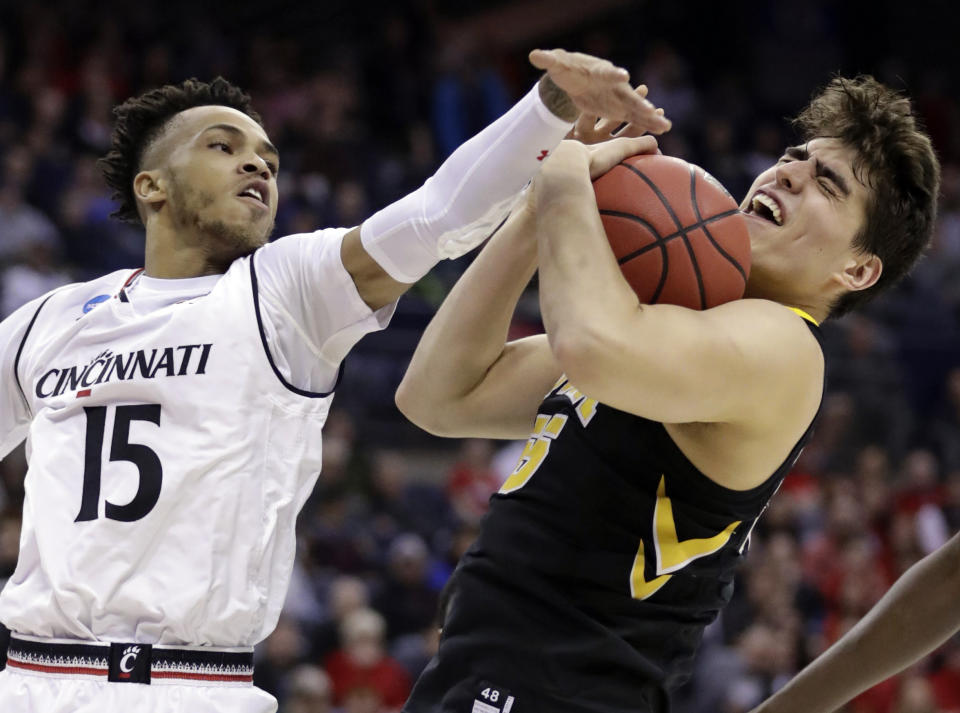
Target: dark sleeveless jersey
column 600, row 562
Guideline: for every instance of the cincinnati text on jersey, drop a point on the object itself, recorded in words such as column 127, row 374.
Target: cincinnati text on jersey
column 107, row 366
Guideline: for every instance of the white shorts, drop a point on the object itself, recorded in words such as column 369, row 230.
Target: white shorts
column 41, row 693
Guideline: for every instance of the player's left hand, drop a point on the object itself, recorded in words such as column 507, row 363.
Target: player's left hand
column 591, row 129
column 599, row 88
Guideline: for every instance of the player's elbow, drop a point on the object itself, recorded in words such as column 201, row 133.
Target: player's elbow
column 412, row 405
column 580, row 354
column 422, row 411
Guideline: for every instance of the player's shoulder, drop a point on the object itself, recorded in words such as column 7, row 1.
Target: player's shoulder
column 296, row 243
column 774, row 339
column 284, row 259
column 767, row 317
column 76, row 298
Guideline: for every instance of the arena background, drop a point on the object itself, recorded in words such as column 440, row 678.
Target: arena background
column 364, row 100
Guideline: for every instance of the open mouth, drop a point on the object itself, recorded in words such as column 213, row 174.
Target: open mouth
column 255, row 193
column 764, row 206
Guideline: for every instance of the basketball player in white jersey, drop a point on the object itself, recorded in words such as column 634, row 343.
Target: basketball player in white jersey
column 173, row 414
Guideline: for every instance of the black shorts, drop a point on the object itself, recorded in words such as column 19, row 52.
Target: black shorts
column 509, row 648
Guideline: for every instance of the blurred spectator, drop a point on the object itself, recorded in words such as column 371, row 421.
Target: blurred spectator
column 277, row 656
column 9, row 542
column 309, row 691
column 399, row 505
column 467, row 93
column 916, row 696
column 944, row 433
column 21, row 225
column 945, row 679
column 365, row 679
column 473, row 480
column 414, row 651
column 38, row 273
column 345, row 596
column 407, row 601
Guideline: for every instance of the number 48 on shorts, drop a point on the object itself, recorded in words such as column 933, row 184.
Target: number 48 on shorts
column 492, row 699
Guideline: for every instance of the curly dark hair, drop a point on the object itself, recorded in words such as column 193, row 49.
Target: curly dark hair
column 141, row 120
column 897, row 160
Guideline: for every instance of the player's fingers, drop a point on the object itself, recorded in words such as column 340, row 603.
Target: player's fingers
column 585, row 128
column 606, row 127
column 630, row 131
column 660, row 124
column 608, row 154
column 605, row 71
column 632, row 107
column 641, row 111
column 543, row 59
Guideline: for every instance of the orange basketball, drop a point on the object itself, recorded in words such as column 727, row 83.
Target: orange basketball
column 676, row 232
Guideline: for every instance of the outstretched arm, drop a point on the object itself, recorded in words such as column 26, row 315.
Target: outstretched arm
column 465, row 379
column 475, row 188
column 920, row 612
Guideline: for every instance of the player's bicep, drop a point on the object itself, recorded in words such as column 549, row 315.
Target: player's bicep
column 373, row 283
column 504, row 403
column 304, row 277
column 674, row 365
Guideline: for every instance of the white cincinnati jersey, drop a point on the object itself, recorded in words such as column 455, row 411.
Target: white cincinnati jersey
column 173, row 434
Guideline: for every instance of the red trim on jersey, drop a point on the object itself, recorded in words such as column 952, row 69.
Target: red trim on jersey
column 131, row 278
column 58, row 669
column 84, row 392
column 86, row 671
column 239, row 677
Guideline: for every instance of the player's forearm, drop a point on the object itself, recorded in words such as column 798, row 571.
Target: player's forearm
column 469, row 331
column 581, row 288
column 920, row 612
column 472, row 191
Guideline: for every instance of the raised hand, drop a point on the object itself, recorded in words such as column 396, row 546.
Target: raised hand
column 592, row 129
column 596, row 88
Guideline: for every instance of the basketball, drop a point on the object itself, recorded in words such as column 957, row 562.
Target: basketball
column 676, row 232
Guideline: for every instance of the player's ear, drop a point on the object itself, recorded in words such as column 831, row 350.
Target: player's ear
column 861, row 272
column 150, row 188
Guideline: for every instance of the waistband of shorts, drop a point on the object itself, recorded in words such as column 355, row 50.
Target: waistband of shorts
column 131, row 662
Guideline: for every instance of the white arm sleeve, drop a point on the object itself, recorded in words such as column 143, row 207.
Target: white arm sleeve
column 469, row 195
column 312, row 312
column 14, row 413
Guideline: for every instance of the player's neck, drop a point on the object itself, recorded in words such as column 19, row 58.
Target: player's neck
column 166, row 260
column 817, row 309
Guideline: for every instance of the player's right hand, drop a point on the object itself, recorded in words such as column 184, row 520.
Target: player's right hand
column 607, row 154
column 599, row 88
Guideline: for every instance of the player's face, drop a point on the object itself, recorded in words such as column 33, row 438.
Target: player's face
column 222, row 173
column 803, row 214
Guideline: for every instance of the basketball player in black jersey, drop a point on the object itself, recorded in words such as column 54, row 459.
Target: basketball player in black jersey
column 665, row 431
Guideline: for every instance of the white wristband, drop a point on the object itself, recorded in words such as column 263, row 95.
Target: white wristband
column 469, row 195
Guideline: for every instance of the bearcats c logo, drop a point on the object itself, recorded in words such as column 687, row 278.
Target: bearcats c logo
column 129, row 654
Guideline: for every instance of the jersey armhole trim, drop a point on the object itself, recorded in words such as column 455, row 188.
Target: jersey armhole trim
column 266, row 348
column 16, row 360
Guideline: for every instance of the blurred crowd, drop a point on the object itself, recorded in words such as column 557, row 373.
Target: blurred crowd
column 363, row 107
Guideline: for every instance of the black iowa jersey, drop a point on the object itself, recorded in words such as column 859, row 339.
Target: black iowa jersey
column 600, row 562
